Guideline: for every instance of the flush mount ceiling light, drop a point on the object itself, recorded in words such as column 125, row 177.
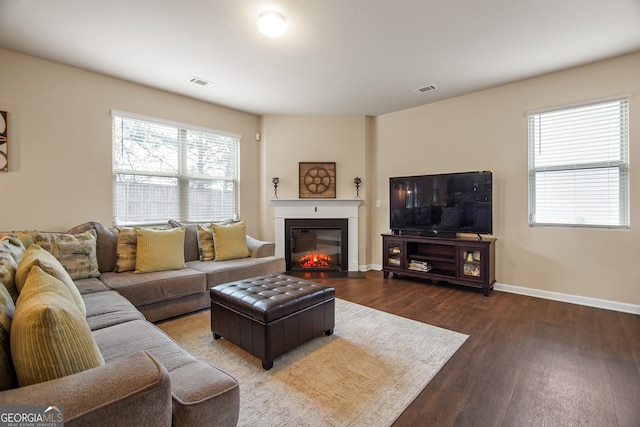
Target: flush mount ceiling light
column 272, row 24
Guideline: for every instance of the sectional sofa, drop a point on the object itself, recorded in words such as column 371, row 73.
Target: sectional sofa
column 84, row 287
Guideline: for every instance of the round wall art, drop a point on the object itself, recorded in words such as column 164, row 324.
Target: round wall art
column 4, row 159
column 317, row 180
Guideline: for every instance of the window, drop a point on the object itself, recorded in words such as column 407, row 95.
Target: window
column 579, row 166
column 164, row 170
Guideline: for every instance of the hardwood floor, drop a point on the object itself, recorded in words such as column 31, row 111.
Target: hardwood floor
column 527, row 362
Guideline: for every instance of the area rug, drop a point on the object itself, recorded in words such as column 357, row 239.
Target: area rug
column 365, row 374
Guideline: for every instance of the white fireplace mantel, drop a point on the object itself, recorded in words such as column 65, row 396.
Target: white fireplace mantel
column 318, row 208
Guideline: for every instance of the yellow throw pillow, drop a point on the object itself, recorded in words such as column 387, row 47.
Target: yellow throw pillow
column 36, row 256
column 159, row 250
column 50, row 337
column 230, row 241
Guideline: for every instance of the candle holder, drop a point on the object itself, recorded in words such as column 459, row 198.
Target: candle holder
column 357, row 182
column 275, row 182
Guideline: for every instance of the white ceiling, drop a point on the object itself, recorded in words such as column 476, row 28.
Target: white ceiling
column 362, row 57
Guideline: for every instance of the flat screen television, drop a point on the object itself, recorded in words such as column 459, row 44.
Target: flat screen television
column 442, row 204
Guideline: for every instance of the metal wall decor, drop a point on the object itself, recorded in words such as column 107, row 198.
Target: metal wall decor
column 4, row 152
column 357, row 181
column 317, row 180
column 275, row 182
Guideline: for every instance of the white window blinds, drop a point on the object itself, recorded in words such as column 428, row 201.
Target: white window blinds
column 164, row 170
column 579, row 166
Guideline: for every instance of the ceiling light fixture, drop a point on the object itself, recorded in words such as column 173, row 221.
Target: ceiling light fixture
column 272, row 24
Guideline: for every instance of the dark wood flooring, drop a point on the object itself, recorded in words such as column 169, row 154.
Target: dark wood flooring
column 527, row 362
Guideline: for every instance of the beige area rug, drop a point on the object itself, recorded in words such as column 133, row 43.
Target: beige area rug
column 365, row 374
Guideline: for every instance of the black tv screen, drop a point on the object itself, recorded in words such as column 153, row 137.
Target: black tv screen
column 443, row 203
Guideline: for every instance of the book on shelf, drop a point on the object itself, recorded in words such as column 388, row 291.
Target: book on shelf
column 423, row 266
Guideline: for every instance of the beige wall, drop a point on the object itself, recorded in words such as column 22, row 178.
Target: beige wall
column 488, row 130
column 60, row 141
column 288, row 140
column 60, row 161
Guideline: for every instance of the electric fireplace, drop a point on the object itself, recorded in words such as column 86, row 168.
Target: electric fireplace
column 316, row 244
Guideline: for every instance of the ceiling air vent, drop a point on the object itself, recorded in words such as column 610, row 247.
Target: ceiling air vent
column 425, row 89
column 201, row 82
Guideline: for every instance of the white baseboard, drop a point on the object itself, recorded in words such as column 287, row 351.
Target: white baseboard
column 573, row 299
column 554, row 296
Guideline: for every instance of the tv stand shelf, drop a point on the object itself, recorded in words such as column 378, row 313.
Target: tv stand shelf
column 457, row 260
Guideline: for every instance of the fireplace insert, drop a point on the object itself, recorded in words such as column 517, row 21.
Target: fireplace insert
column 316, row 244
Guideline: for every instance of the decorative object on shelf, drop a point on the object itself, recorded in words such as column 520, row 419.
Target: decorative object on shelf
column 4, row 159
column 357, row 181
column 317, row 180
column 275, row 182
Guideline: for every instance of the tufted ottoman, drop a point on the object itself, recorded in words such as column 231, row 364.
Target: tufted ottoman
column 270, row 315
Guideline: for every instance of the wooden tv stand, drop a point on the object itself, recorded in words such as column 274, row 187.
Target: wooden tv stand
column 458, row 260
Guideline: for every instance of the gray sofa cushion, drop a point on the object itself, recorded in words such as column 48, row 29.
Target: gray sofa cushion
column 92, row 284
column 175, row 307
column 202, row 394
column 109, row 308
column 237, row 269
column 148, row 288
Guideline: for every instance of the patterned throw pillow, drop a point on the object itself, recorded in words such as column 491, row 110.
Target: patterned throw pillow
column 127, row 248
column 8, row 268
column 7, row 372
column 159, row 250
column 11, row 253
column 205, row 242
column 230, row 241
column 36, row 256
column 13, row 246
column 76, row 252
column 50, row 337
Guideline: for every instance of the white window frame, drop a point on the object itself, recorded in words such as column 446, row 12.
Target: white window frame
column 186, row 201
column 579, row 165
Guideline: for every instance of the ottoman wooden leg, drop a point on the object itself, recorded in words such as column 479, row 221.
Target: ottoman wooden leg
column 267, row 365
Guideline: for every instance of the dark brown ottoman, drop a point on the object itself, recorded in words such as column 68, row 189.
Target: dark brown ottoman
column 270, row 315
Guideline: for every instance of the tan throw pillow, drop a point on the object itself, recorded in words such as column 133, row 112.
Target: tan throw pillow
column 7, row 372
column 159, row 250
column 230, row 241
column 25, row 236
column 76, row 252
column 50, row 337
column 36, row 256
column 126, row 250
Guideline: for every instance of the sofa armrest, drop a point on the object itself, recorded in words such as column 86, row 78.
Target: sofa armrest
column 133, row 390
column 260, row 249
